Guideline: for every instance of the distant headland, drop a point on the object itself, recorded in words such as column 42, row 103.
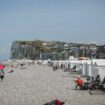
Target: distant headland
column 55, row 50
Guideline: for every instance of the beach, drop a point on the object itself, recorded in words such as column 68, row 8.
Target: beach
column 37, row 85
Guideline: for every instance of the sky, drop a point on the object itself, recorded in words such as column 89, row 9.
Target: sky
column 80, row 21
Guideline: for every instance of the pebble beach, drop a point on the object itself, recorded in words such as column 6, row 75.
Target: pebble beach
column 37, row 85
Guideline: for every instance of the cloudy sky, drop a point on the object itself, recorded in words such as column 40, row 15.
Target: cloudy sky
column 81, row 21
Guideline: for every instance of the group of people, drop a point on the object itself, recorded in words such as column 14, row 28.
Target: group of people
column 2, row 71
column 94, row 83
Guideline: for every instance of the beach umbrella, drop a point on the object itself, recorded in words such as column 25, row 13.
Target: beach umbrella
column 2, row 67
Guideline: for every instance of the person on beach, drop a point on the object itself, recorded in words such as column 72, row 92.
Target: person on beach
column 97, row 80
column 2, row 74
column 94, row 84
column 103, row 82
column 55, row 102
column 79, row 83
column 10, row 71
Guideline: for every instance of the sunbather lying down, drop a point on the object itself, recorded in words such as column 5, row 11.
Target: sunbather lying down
column 55, row 102
column 10, row 71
